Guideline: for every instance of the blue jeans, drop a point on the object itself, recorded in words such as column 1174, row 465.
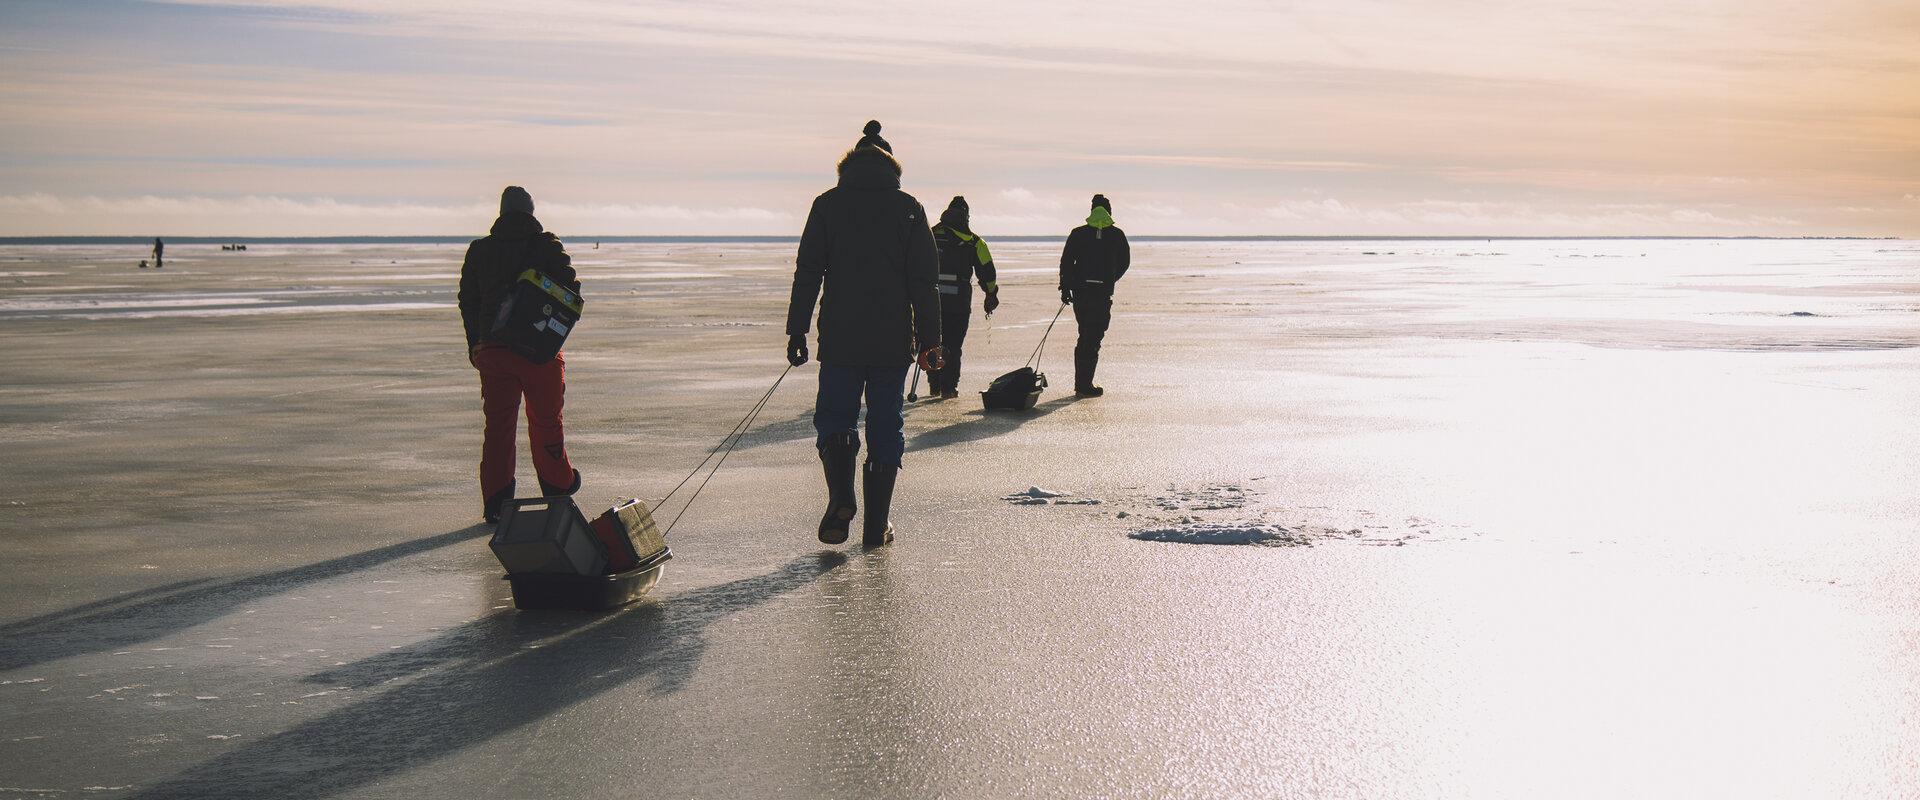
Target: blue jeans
column 837, row 408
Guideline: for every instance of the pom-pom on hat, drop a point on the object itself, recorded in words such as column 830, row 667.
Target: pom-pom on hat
column 872, row 137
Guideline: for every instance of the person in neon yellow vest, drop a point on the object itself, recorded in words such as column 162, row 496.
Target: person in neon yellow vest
column 963, row 257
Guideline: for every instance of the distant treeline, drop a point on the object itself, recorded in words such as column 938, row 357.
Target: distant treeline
column 575, row 240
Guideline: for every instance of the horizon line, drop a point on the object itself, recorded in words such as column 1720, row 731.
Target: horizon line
column 116, row 239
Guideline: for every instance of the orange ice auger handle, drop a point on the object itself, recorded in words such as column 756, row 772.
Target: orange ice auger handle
column 933, row 359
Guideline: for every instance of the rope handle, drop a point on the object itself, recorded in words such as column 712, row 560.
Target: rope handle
column 1034, row 360
column 729, row 442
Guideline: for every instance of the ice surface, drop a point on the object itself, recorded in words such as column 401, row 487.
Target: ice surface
column 1579, row 511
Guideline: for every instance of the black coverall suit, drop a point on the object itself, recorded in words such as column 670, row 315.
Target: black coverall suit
column 963, row 256
column 1094, row 259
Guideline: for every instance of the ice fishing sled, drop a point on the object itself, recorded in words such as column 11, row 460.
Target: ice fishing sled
column 1018, row 390
column 556, row 560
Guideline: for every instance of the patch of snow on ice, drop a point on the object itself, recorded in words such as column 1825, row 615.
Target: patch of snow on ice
column 1246, row 533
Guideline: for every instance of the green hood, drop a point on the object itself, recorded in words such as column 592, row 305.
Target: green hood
column 1100, row 218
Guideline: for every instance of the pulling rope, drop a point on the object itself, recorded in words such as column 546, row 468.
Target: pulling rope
column 1034, row 360
column 728, row 442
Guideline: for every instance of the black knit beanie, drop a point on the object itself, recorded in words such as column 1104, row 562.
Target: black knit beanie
column 959, row 204
column 872, row 137
column 1100, row 201
column 514, row 199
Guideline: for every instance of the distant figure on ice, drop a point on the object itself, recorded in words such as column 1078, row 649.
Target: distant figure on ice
column 963, row 255
column 516, row 244
column 1095, row 258
column 868, row 242
column 159, row 252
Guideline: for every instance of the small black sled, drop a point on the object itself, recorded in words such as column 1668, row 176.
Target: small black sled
column 1019, row 390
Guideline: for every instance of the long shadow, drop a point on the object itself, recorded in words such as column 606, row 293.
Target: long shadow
column 981, row 424
column 800, row 427
column 153, row 613
column 479, row 682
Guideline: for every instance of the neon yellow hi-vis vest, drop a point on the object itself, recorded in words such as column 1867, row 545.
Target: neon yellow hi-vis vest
column 980, row 252
column 979, row 245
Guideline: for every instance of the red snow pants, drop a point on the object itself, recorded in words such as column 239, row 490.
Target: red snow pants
column 505, row 377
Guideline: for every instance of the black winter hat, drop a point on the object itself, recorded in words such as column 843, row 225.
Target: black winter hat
column 513, row 199
column 959, row 204
column 1100, row 201
column 872, row 137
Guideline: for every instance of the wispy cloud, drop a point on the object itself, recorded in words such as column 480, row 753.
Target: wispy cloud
column 726, row 115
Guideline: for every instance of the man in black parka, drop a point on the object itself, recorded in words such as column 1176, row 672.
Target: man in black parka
column 963, row 256
column 868, row 246
column 1095, row 258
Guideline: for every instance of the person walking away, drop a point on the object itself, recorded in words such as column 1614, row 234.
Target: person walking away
column 868, row 257
column 963, row 256
column 159, row 252
column 494, row 263
column 1095, row 258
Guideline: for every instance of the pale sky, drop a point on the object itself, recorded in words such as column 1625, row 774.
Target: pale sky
column 1344, row 117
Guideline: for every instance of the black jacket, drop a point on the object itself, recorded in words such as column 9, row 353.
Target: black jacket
column 1094, row 259
column 516, row 244
column 962, row 256
column 868, row 244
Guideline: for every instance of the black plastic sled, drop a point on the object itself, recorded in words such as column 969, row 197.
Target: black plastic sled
column 1018, row 390
column 536, row 591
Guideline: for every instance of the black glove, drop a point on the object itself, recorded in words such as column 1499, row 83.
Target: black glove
column 1066, row 297
column 796, row 350
column 993, row 301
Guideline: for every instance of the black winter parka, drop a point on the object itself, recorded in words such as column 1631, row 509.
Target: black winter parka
column 868, row 247
column 516, row 244
column 1094, row 259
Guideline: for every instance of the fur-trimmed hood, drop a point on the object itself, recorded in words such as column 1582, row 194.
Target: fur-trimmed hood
column 869, row 168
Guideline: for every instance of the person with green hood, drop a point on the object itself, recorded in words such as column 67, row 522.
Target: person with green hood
column 1095, row 258
column 963, row 257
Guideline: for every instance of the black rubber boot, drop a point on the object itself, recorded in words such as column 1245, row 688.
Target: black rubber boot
column 550, row 490
column 837, row 456
column 877, row 484
column 491, row 513
column 1083, row 367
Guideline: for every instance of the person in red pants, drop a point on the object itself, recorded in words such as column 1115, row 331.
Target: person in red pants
column 516, row 244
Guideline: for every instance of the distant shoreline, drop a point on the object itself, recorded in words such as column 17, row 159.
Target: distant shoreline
column 578, row 239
